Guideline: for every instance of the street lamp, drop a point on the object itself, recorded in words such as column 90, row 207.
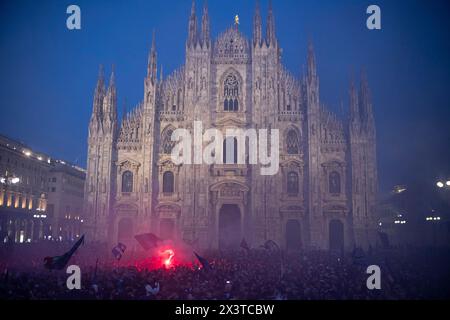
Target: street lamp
column 441, row 184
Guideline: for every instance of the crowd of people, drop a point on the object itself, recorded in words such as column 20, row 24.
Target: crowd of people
column 241, row 274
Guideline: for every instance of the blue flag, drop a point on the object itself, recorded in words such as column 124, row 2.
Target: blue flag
column 59, row 262
column 203, row 261
column 119, row 250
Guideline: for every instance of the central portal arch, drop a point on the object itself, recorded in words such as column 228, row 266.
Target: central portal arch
column 336, row 235
column 293, row 235
column 230, row 229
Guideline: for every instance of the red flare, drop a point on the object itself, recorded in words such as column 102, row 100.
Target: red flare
column 167, row 257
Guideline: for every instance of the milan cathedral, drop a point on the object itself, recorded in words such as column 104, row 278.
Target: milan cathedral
column 322, row 197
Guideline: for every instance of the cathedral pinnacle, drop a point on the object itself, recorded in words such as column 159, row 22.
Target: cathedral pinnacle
column 152, row 57
column 364, row 99
column 192, row 35
column 270, row 32
column 205, row 26
column 257, row 26
column 311, row 71
column 99, row 92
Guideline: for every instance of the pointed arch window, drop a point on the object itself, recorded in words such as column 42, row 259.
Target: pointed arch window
column 127, row 182
column 168, row 182
column 334, row 183
column 292, row 183
column 167, row 143
column 292, row 144
column 231, row 93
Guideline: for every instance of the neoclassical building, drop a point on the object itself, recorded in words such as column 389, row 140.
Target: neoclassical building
column 323, row 195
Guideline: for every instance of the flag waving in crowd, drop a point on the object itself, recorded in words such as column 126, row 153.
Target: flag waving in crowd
column 147, row 240
column 59, row 262
column 205, row 264
column 119, row 250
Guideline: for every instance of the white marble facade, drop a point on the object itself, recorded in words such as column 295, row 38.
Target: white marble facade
column 322, row 196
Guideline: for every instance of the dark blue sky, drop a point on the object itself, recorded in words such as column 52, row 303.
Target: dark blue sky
column 48, row 73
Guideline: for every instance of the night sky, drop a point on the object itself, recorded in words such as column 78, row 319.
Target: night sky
column 48, row 73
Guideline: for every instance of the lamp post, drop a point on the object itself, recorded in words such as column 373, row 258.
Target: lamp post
column 434, row 219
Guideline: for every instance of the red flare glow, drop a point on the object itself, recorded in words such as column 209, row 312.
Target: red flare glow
column 167, row 257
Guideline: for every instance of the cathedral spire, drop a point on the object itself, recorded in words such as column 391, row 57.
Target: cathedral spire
column 205, row 25
column 152, row 60
column 312, row 70
column 110, row 103
column 312, row 80
column 124, row 109
column 192, row 37
column 270, row 32
column 112, row 79
column 365, row 100
column 257, row 26
column 354, row 106
column 99, row 93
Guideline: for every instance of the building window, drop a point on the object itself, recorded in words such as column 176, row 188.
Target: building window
column 292, row 183
column 334, row 183
column 53, row 189
column 230, row 150
column 168, row 182
column 231, row 93
column 167, row 143
column 292, row 142
column 53, row 179
column 127, row 182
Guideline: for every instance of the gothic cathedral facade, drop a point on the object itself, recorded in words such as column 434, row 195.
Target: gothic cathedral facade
column 323, row 196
